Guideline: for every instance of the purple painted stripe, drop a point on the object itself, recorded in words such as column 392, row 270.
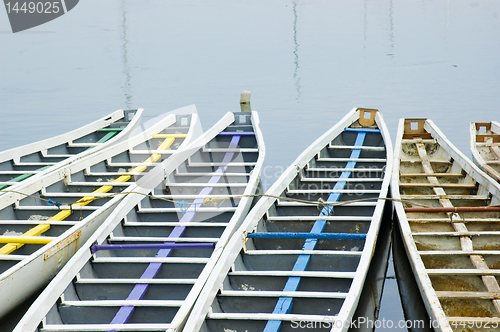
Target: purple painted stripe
column 124, row 313
column 151, row 270
column 133, row 246
column 138, row 291
column 238, row 133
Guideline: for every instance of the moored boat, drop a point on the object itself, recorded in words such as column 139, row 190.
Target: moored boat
column 39, row 158
column 485, row 146
column 449, row 218
column 44, row 222
column 301, row 257
column 144, row 267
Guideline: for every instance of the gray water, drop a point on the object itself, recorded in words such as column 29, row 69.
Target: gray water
column 307, row 63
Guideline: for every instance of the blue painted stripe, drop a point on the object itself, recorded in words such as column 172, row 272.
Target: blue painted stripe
column 284, row 305
column 360, row 139
column 125, row 312
column 239, row 133
column 363, row 130
column 290, row 235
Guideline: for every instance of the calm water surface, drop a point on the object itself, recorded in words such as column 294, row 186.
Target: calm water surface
column 307, row 63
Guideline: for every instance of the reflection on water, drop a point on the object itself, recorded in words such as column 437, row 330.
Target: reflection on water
column 296, row 51
column 391, row 30
column 365, row 22
column 126, row 68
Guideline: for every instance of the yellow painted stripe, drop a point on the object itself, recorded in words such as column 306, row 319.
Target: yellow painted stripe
column 63, row 214
column 155, row 156
column 141, row 168
column 166, row 143
column 25, row 240
column 122, row 178
column 37, row 230
column 138, row 169
column 10, row 247
column 169, row 136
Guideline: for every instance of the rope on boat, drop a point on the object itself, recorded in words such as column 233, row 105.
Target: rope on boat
column 56, row 203
column 218, row 201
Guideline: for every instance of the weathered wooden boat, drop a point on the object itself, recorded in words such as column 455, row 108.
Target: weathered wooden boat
column 449, row 218
column 485, row 146
column 300, row 259
column 39, row 158
column 144, row 267
column 45, row 222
